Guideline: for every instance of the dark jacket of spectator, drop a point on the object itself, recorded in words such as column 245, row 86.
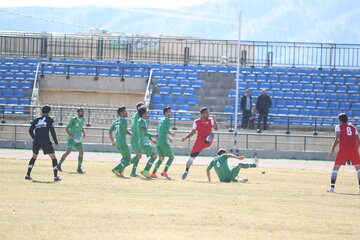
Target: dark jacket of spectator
column 263, row 104
column 243, row 103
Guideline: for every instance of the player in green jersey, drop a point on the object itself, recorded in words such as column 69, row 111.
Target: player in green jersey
column 163, row 147
column 222, row 169
column 134, row 140
column 144, row 140
column 76, row 133
column 120, row 127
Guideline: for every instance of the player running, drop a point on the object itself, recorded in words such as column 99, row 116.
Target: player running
column 42, row 126
column 76, row 133
column 134, row 140
column 163, row 147
column 222, row 169
column 203, row 126
column 120, row 127
column 144, row 141
column 347, row 137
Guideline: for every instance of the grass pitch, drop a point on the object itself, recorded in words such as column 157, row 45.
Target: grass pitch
column 281, row 204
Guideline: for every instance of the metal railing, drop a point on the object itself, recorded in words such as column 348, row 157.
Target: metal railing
column 178, row 50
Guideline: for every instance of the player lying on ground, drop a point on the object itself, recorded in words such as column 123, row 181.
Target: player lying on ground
column 203, row 126
column 42, row 126
column 76, row 133
column 220, row 164
column 163, row 147
column 144, row 141
column 120, row 127
column 347, row 137
column 134, row 140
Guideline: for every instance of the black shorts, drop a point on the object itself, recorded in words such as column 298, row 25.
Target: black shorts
column 46, row 147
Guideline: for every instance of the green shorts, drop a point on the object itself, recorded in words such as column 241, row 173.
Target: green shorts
column 135, row 144
column 232, row 175
column 164, row 150
column 123, row 149
column 148, row 150
column 72, row 144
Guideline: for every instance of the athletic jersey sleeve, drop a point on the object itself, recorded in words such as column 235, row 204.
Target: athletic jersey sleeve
column 143, row 127
column 194, row 125
column 70, row 123
column 123, row 126
column 32, row 128
column 112, row 127
column 166, row 128
column 337, row 128
column 211, row 165
column 52, row 131
column 212, row 121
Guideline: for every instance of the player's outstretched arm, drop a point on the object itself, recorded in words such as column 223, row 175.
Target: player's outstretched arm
column 216, row 127
column 84, row 134
column 336, row 141
column 31, row 130
column 111, row 138
column 236, row 157
column 192, row 133
column 208, row 175
column 68, row 133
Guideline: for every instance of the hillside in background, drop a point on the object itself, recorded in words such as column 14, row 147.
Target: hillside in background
column 263, row 20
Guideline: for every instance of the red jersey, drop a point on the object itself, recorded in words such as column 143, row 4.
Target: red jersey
column 348, row 139
column 203, row 127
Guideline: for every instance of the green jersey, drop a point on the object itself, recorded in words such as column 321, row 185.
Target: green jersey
column 163, row 130
column 134, row 124
column 120, row 126
column 144, row 135
column 76, row 128
column 221, row 166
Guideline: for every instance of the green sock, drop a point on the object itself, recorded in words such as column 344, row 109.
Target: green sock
column 135, row 162
column 248, row 165
column 61, row 160
column 117, row 168
column 124, row 163
column 157, row 165
column 80, row 160
column 168, row 164
column 149, row 164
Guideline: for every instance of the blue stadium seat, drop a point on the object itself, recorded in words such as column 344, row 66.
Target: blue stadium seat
column 191, row 100
column 325, row 113
column 299, row 95
column 316, row 80
column 190, row 68
column 193, row 76
column 159, row 106
column 176, row 91
column 181, row 76
column 162, row 82
column 13, row 101
column 9, row 61
column 290, row 104
column 311, row 104
column 8, row 110
column 334, row 105
column 291, row 71
column 309, row 96
column 173, row 83
column 305, row 112
column 168, row 99
column 339, row 81
column 342, row 89
column 350, row 81
column 48, row 69
column 82, row 71
column 314, row 112
column 242, row 86
column 261, row 78
column 276, row 86
column 103, row 72
column 24, row 101
column 246, row 70
column 26, row 69
column 268, row 71
column 19, row 110
column 294, row 79
column 156, row 99
column 332, row 97
column 344, row 98
column 179, row 100
column 320, row 96
column 319, row 88
column 212, row 69
column 164, row 91
column 314, row 72
column 257, row 71
column 21, row 61
column 138, row 74
column 348, row 73
column 328, row 80
column 2, row 101
column 186, row 117
column 353, row 98
column 302, row 72
column 233, row 70
column 158, row 74
column 253, row 86
column 189, row 92
column 92, row 71
column 19, row 76
column 273, row 79
column 19, row 93
column 280, row 71
column 229, row 109
column 323, row 105
column 249, row 78
column 355, row 106
column 354, row 89
column 308, row 88
column 155, row 67
column 185, row 83
column 32, row 61
column 325, row 73
column 197, row 84
column 170, row 75
column 232, row 93
column 3, row 68
column 327, row 122
column 273, row 111
column 201, row 68
column 223, row 69
column 8, row 93
column 283, row 111
column 265, row 85
column 300, row 104
column 178, row 68
column 293, row 112
column 330, row 88
column 14, row 85
column 127, row 73
column 14, row 68
column 297, row 87
column 183, row 108
column 3, row 84
column 59, row 70
column 285, row 87
column 114, row 72
column 288, row 95
column 305, row 79
column 9, row 76
column 336, row 73
column 278, row 95
column 71, row 71
column 281, row 103
column 167, row 67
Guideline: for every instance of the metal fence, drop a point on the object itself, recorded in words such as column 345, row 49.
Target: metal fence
column 178, row 50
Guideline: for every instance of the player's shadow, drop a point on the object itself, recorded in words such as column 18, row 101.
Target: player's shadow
column 348, row 194
column 43, row 182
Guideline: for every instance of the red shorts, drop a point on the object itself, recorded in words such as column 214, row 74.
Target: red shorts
column 347, row 154
column 200, row 145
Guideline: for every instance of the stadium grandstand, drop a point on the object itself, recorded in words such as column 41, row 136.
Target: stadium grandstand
column 309, row 84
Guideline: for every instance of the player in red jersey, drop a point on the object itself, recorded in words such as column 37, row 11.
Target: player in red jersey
column 347, row 137
column 203, row 126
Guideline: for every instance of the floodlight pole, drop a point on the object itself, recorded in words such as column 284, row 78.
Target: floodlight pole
column 237, row 84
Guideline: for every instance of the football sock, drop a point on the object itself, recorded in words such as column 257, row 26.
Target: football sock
column 358, row 175
column 168, row 164
column 247, row 165
column 333, row 178
column 30, row 166
column 149, row 163
column 62, row 159
column 54, row 164
column 134, row 161
column 80, row 160
column 124, row 163
column 189, row 163
column 157, row 165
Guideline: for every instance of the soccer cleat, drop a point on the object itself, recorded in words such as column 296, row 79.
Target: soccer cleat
column 164, row 174
column 153, row 175
column 116, row 172
column 331, row 190
column 134, row 175
column 80, row 171
column 57, row 179
column 184, row 175
column 145, row 174
column 242, row 180
column 121, row 175
column 28, row 177
column 59, row 168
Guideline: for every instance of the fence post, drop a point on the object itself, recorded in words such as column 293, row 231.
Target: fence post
column 275, row 142
column 315, row 130
column 3, row 115
column 304, row 143
column 61, row 122
column 247, row 141
column 231, row 129
column 288, row 126
column 88, row 123
column 174, row 128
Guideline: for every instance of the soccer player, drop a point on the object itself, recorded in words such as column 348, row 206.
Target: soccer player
column 163, row 147
column 120, row 127
column 134, row 140
column 76, row 133
column 347, row 137
column 144, row 141
column 203, row 126
column 42, row 126
column 222, row 169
